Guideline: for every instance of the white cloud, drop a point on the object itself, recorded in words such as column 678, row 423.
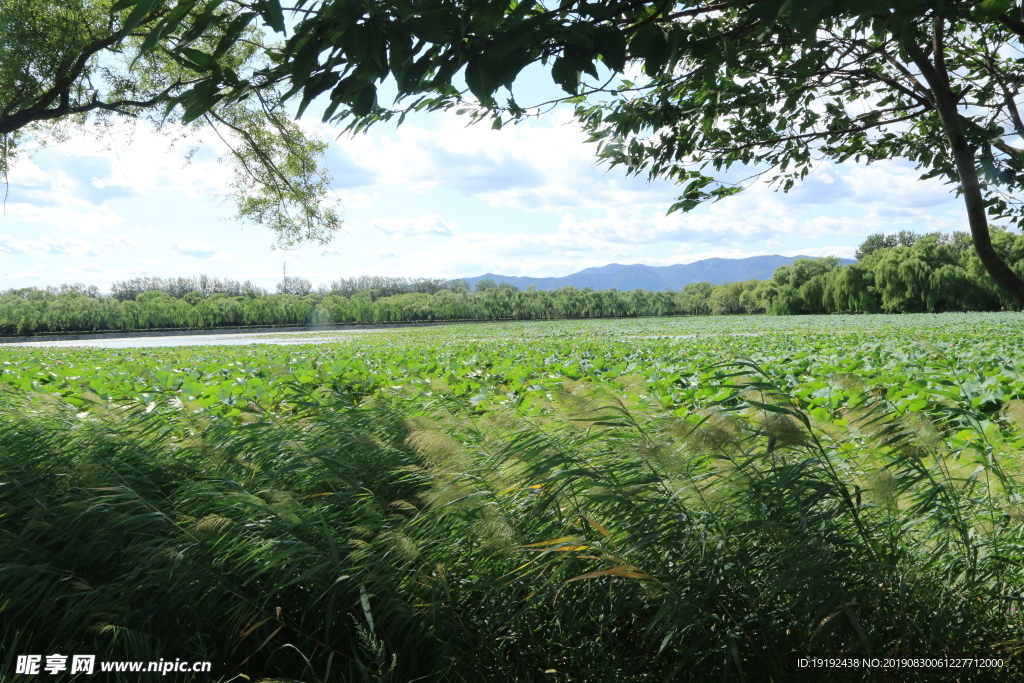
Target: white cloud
column 436, row 198
column 193, row 249
column 11, row 245
column 65, row 214
column 356, row 200
column 87, row 172
column 422, row 226
column 73, row 247
column 547, row 167
column 98, row 274
column 90, row 269
column 119, row 241
column 22, row 275
column 535, row 166
column 70, row 247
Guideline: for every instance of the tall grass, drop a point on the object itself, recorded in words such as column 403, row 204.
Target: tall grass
column 407, row 541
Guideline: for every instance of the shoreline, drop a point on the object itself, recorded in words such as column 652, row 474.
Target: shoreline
column 83, row 336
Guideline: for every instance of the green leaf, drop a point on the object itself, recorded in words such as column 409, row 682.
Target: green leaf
column 611, row 46
column 200, row 60
column 232, row 33
column 365, row 100
column 272, row 13
column 139, row 12
column 564, row 72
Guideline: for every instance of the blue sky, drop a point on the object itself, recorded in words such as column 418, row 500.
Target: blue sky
column 431, row 198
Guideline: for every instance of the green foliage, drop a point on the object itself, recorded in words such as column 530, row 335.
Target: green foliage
column 799, row 288
column 72, row 65
column 526, row 365
column 725, row 85
column 282, row 184
column 179, row 287
column 904, row 238
column 929, row 273
column 30, row 311
column 735, row 297
column 762, row 87
column 901, row 273
column 854, row 491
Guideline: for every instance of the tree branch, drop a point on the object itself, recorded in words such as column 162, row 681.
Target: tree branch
column 12, row 122
column 818, row 134
column 1015, row 25
column 964, row 158
column 254, row 146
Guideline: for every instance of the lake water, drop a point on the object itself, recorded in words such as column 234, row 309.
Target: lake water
column 227, row 339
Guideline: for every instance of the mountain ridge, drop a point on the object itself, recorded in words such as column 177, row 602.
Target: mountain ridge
column 625, row 277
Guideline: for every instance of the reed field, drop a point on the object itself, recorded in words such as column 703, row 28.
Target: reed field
column 654, row 499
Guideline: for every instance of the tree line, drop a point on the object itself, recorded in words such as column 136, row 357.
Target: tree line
column 901, row 273
column 905, row 272
column 72, row 309
column 376, row 285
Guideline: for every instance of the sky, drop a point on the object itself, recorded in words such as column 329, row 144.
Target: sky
column 431, row 198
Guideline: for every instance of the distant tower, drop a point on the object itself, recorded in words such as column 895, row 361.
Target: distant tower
column 284, row 270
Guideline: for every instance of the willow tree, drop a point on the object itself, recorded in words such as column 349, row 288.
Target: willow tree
column 81, row 63
column 772, row 86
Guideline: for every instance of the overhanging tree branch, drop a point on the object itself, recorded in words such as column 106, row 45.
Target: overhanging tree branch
column 937, row 77
column 83, row 62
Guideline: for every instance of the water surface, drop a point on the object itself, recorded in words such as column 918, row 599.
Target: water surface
column 226, row 339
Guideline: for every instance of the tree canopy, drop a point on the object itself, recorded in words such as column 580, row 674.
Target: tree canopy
column 910, row 273
column 715, row 90
column 64, row 65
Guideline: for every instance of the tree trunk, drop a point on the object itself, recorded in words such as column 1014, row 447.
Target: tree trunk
column 963, row 156
column 977, row 219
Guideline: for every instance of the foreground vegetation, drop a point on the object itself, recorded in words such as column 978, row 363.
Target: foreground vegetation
column 591, row 501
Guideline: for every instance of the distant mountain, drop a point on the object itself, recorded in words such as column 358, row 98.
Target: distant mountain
column 655, row 278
